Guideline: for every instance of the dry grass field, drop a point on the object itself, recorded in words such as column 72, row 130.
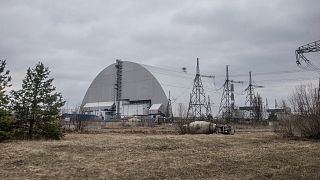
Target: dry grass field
column 153, row 154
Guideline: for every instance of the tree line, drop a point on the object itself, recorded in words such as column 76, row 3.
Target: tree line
column 33, row 111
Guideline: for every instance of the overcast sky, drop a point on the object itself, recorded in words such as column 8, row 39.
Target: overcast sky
column 79, row 38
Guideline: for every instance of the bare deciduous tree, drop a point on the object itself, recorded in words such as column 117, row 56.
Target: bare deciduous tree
column 305, row 120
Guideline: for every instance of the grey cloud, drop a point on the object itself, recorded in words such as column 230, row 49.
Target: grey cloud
column 77, row 39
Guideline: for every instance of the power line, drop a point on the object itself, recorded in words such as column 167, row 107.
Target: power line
column 291, row 79
column 276, row 72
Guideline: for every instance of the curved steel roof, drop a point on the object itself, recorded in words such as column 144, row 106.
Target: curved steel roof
column 144, row 82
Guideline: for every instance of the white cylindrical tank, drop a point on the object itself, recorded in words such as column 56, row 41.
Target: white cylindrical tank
column 201, row 127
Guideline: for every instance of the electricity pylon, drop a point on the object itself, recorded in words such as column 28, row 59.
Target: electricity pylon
column 198, row 107
column 300, row 58
column 227, row 103
column 250, row 96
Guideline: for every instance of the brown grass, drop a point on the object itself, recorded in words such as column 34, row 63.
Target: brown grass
column 113, row 155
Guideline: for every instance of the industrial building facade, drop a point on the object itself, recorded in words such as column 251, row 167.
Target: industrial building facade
column 131, row 89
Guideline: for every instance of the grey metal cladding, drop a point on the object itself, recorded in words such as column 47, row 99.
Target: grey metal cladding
column 137, row 84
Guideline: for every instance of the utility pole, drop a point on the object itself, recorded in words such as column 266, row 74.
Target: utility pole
column 198, row 106
column 169, row 113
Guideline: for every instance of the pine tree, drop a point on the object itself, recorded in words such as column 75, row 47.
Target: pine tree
column 6, row 120
column 37, row 105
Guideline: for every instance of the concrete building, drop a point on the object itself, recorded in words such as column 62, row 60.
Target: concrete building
column 131, row 89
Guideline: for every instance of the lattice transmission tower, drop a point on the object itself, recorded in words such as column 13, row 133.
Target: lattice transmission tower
column 251, row 98
column 227, row 103
column 198, row 107
column 118, row 87
column 301, row 60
